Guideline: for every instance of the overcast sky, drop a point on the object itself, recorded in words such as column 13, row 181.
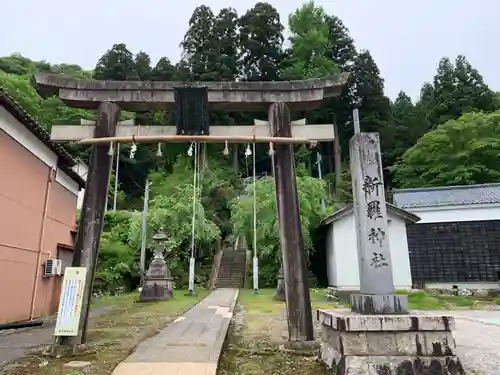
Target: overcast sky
column 406, row 37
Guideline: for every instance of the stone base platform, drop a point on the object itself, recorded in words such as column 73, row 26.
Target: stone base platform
column 414, row 344
column 379, row 304
column 155, row 292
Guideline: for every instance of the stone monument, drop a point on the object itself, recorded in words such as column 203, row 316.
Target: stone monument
column 377, row 294
column 378, row 336
column 158, row 280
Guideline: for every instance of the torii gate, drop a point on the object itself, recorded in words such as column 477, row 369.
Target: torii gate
column 109, row 97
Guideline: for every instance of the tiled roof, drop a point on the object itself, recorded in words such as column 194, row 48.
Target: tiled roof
column 447, row 196
column 65, row 160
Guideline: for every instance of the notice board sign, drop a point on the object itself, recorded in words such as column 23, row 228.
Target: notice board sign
column 70, row 302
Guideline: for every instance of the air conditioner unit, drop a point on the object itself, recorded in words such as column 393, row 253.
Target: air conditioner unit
column 53, row 267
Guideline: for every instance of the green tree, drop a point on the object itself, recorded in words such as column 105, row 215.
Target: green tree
column 457, row 89
column 16, row 64
column 341, row 48
column 48, row 112
column 142, row 65
column 374, row 106
column 458, row 152
column 226, row 32
column 343, row 52
column 310, row 42
column 119, row 64
column 199, row 47
column 261, row 41
column 116, row 64
column 20, row 89
column 72, row 70
column 54, row 112
column 308, row 55
column 163, row 70
column 171, row 208
column 408, row 127
column 310, row 193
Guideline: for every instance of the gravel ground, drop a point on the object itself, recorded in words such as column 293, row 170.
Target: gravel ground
column 477, row 335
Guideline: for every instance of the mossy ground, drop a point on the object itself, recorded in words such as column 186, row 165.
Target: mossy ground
column 111, row 336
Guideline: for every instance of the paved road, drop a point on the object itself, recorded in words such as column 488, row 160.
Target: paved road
column 190, row 345
column 477, row 335
column 15, row 344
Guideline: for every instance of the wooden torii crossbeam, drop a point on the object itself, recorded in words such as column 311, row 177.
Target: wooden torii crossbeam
column 277, row 98
column 261, row 133
column 220, row 133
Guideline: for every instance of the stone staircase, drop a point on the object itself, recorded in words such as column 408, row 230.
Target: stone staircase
column 232, row 268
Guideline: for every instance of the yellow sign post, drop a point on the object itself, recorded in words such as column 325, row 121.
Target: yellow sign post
column 70, row 303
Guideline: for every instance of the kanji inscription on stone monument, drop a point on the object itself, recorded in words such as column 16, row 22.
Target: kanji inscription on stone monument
column 371, row 214
column 375, row 268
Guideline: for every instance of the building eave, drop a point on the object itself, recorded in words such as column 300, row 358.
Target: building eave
column 408, row 217
column 64, row 159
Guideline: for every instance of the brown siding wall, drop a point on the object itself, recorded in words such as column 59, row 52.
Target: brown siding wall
column 23, row 189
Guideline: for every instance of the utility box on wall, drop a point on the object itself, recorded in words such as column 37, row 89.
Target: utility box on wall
column 52, row 267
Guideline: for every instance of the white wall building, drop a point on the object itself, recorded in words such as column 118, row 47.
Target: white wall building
column 342, row 253
column 457, row 240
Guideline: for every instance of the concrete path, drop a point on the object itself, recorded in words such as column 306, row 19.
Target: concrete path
column 477, row 335
column 16, row 343
column 190, row 345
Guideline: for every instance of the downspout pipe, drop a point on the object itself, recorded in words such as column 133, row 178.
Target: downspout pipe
column 31, row 323
column 50, row 177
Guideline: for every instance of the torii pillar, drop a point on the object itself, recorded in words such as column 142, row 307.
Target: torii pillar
column 298, row 300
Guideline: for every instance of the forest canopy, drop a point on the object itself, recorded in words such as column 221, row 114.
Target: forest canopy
column 252, row 46
column 448, row 136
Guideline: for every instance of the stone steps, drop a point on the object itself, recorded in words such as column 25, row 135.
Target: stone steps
column 232, row 269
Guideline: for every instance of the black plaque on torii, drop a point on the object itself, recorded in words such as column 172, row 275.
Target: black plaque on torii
column 192, row 116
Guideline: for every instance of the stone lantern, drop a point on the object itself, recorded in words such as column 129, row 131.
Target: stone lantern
column 158, row 280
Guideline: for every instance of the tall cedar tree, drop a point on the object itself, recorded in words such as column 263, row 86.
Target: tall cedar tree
column 216, row 60
column 199, row 47
column 119, row 64
column 226, row 32
column 261, row 41
column 116, row 64
column 457, row 89
column 374, row 107
column 407, row 127
column 261, row 52
column 343, row 52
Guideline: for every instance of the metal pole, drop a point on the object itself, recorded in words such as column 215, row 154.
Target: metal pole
column 117, row 166
column 144, row 231
column 255, row 259
column 320, row 175
column 109, row 179
column 193, row 222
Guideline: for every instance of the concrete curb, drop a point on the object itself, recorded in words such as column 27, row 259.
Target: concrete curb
column 225, row 326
